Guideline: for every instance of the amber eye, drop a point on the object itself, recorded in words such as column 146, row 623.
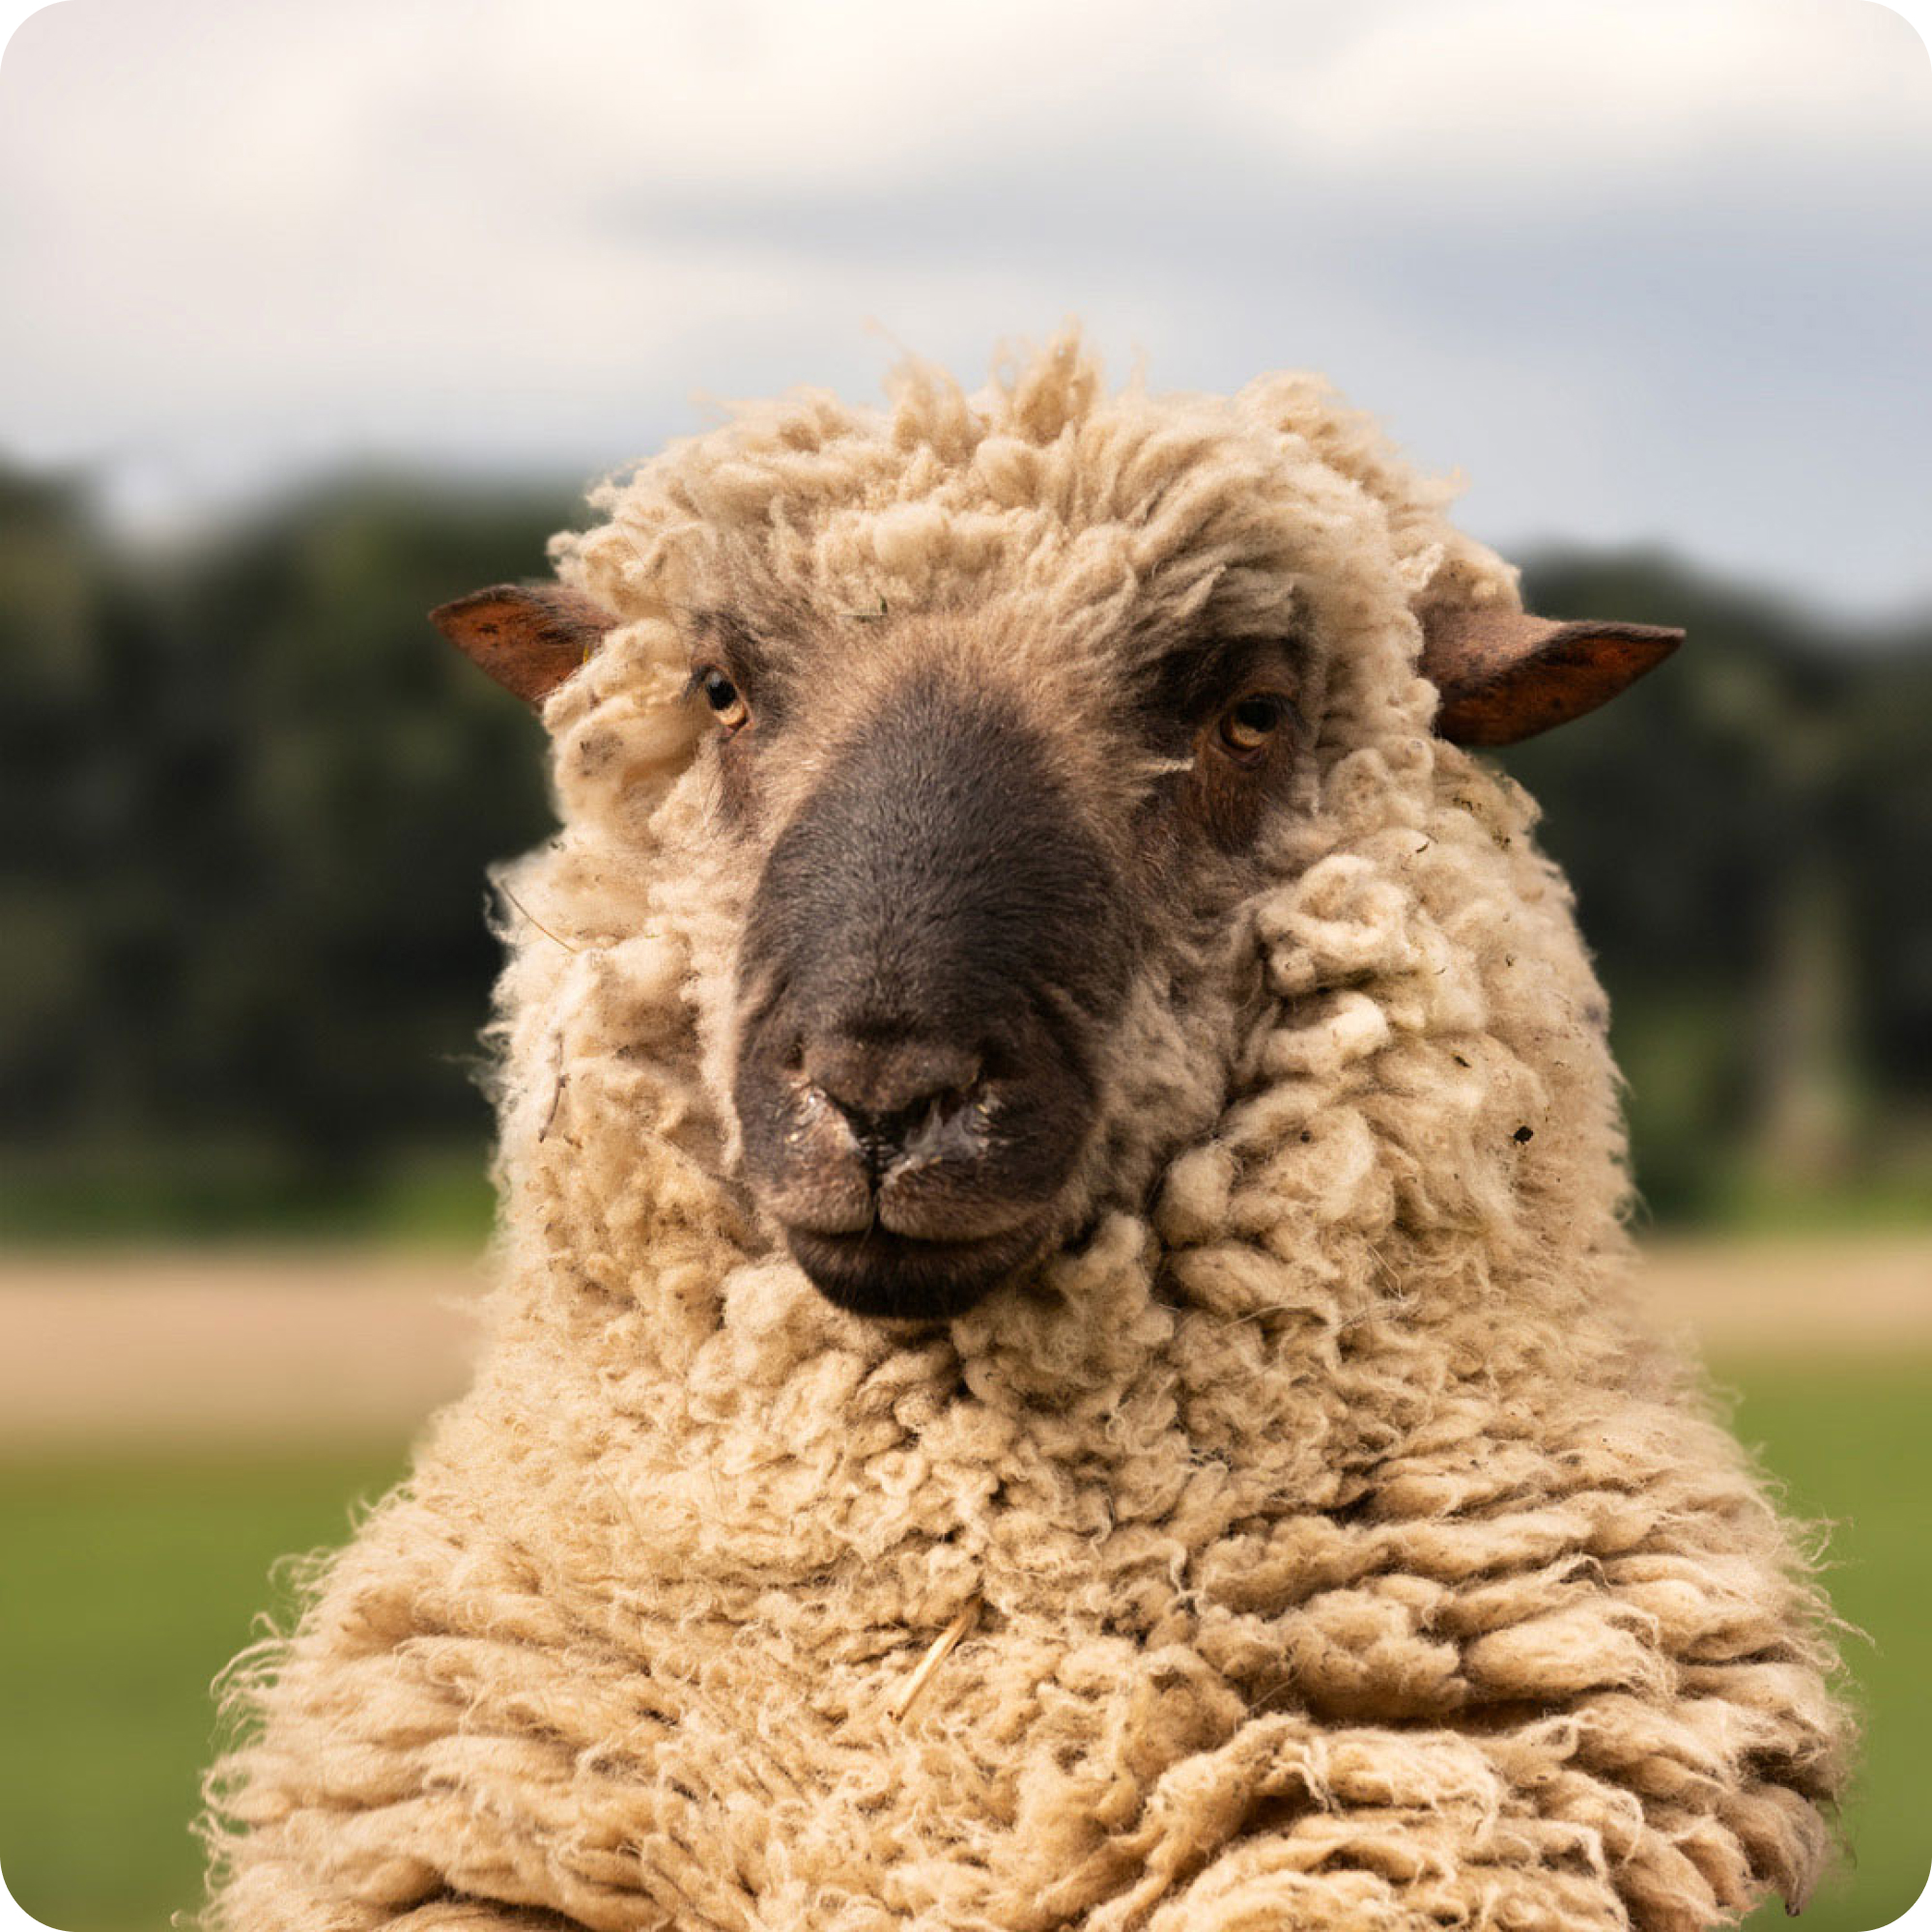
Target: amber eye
column 1246, row 727
column 725, row 700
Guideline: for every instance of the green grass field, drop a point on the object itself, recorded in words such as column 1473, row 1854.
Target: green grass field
column 126, row 1587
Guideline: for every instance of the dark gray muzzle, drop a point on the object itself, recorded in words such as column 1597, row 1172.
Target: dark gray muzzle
column 933, row 954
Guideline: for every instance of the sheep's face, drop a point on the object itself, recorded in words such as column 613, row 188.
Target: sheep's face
column 989, row 865
column 995, row 917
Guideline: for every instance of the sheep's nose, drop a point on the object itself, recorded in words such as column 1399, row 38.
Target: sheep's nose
column 892, row 1092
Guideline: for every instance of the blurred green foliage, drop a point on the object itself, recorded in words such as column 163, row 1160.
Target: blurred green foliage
column 1749, row 832
column 249, row 797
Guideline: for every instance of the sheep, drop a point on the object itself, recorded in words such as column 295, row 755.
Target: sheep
column 1064, row 1352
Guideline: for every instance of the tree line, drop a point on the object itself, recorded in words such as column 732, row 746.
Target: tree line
column 249, row 798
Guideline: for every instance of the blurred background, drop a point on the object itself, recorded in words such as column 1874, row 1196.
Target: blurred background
column 317, row 318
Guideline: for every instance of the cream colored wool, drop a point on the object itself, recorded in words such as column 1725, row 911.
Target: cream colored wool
column 1334, row 1549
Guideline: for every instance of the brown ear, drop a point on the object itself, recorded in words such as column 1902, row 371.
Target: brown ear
column 1506, row 676
column 529, row 640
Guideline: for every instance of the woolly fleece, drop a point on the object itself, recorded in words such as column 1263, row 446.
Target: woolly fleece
column 1334, row 1548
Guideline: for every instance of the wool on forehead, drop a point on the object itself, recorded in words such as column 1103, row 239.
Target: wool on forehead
column 1125, row 515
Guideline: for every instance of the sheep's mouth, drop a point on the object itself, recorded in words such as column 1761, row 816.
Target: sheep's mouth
column 914, row 1212
column 877, row 1272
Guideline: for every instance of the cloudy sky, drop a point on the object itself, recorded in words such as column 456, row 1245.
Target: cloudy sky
column 1653, row 270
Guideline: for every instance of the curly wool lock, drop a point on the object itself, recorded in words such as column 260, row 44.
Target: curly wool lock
column 1313, row 1539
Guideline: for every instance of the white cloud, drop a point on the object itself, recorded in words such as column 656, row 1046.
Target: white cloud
column 1541, row 97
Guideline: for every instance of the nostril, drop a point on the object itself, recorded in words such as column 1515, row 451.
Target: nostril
column 876, row 1084
column 878, row 1137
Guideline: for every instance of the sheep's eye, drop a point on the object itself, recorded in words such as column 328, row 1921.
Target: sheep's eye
column 1247, row 726
column 727, row 702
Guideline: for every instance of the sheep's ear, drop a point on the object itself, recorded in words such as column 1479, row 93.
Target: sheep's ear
column 1505, row 677
column 528, row 640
